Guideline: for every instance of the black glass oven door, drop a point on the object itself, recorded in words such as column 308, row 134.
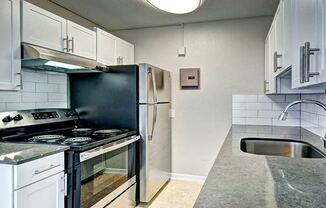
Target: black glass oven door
column 104, row 176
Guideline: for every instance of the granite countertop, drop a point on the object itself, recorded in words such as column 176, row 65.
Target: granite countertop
column 14, row 154
column 242, row 180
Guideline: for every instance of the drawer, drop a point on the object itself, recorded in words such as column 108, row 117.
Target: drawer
column 39, row 169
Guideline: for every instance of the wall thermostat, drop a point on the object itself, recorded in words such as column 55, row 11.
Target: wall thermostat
column 190, row 78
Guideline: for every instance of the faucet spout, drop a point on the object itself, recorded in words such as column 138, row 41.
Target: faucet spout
column 283, row 115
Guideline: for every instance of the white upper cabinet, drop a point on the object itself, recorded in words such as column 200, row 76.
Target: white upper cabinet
column 278, row 36
column 308, row 47
column 270, row 61
column 106, row 48
column 81, row 41
column 10, row 66
column 287, row 33
column 112, row 50
column 125, row 52
column 43, row 28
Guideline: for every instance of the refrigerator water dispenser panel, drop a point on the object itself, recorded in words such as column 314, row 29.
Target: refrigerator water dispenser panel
column 190, row 78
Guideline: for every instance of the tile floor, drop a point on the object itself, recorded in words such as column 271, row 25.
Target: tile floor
column 176, row 194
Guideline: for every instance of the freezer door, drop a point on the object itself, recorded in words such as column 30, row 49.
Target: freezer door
column 155, row 129
column 154, row 84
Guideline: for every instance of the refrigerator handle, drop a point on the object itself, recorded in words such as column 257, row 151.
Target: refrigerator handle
column 151, row 135
column 151, row 71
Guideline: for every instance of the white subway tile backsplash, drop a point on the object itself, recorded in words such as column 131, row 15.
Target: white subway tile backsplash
column 258, row 121
column 8, row 96
column 20, row 106
column 264, row 110
column 28, row 87
column 57, row 78
column 35, row 76
column 241, row 121
column 2, row 107
column 34, row 97
column 57, row 97
column 40, row 90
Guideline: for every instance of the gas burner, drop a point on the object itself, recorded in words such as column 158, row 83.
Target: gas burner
column 82, row 132
column 78, row 140
column 50, row 138
column 107, row 132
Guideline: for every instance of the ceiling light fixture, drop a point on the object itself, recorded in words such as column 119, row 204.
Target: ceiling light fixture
column 176, row 6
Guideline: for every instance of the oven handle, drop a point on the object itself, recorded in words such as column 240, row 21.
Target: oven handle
column 106, row 148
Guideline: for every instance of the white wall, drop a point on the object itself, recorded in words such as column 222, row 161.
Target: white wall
column 231, row 57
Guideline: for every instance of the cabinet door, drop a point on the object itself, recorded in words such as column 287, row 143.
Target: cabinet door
column 271, row 51
column 308, row 18
column 278, row 53
column 266, row 82
column 125, row 51
column 81, row 41
column 43, row 28
column 10, row 67
column 49, row 193
column 106, row 48
column 287, row 33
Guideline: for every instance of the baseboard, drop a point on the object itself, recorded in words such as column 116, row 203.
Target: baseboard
column 186, row 177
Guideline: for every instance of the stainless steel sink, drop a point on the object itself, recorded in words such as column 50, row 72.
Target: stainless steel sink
column 285, row 148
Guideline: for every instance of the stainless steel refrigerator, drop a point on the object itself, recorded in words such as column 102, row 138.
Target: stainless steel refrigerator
column 155, row 129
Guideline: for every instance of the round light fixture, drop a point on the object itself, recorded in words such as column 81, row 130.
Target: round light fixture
column 176, row 6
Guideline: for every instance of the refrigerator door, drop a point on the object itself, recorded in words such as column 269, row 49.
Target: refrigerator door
column 154, row 84
column 155, row 130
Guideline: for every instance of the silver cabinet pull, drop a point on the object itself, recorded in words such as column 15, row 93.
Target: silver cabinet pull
column 37, row 172
column 276, row 56
column 307, row 53
column 65, row 44
column 266, row 83
column 72, row 49
column 21, row 79
column 302, row 64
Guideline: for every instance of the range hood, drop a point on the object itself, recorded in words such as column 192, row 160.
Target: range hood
column 39, row 58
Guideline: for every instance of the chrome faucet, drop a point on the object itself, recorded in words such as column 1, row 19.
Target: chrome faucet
column 284, row 114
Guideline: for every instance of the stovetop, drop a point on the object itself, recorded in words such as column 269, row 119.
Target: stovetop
column 79, row 139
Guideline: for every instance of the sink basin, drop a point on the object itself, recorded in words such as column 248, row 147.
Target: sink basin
column 285, row 148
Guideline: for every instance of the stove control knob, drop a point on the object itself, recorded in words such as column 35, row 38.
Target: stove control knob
column 7, row 119
column 18, row 117
column 70, row 114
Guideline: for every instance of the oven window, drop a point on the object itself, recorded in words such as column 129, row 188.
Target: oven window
column 103, row 174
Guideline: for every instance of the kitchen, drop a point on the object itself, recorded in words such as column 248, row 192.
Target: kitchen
column 150, row 106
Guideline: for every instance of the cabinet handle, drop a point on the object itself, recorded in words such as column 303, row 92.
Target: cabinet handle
column 72, row 49
column 21, row 79
column 118, row 60
column 276, row 56
column 302, row 64
column 65, row 44
column 265, row 86
column 122, row 60
column 37, row 172
column 307, row 53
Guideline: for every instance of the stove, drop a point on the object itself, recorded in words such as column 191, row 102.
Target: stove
column 79, row 138
column 94, row 153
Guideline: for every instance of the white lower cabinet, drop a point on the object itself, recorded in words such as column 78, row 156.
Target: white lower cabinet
column 49, row 193
column 36, row 184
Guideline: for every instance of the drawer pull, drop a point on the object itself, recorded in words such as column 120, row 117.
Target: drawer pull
column 37, row 172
